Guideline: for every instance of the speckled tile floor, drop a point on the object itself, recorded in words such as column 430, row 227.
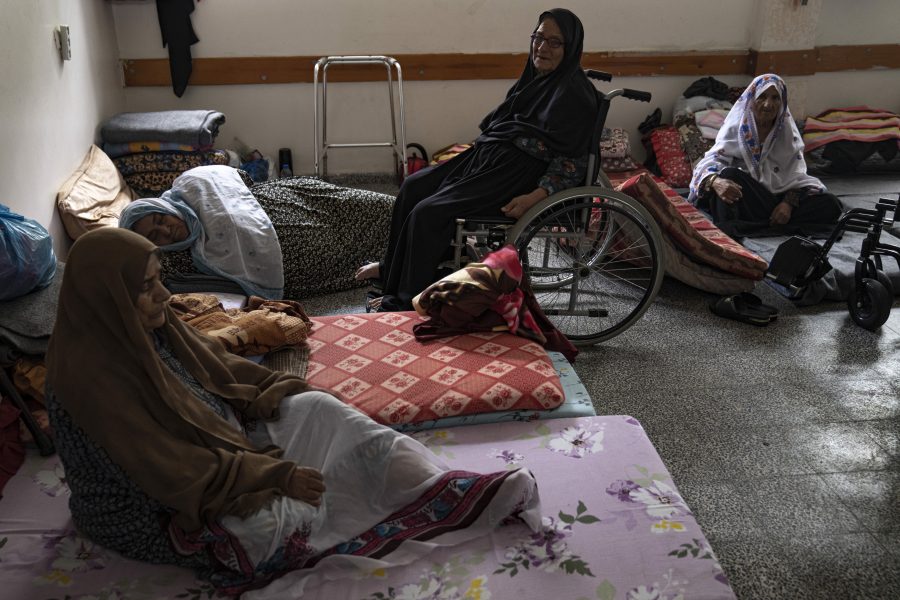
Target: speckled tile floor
column 784, row 440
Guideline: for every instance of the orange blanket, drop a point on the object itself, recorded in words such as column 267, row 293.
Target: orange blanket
column 262, row 326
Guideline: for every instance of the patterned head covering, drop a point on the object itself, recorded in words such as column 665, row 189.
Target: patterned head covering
column 230, row 235
column 777, row 162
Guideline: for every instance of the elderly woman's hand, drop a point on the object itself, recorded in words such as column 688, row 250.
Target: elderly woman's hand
column 729, row 191
column 520, row 204
column 306, row 484
column 781, row 214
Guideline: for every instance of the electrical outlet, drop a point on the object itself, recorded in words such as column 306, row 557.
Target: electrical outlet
column 63, row 42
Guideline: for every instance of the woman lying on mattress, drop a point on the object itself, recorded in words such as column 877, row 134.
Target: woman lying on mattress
column 753, row 180
column 288, row 238
column 178, row 452
column 532, row 145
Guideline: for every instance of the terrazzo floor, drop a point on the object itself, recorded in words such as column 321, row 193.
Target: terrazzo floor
column 784, row 440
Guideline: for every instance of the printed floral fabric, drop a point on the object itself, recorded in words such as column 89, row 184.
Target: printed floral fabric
column 373, row 362
column 614, row 143
column 624, row 533
column 149, row 174
column 692, row 141
column 615, row 165
column 670, row 156
column 562, row 173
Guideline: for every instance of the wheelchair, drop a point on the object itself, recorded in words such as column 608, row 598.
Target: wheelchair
column 593, row 256
column 800, row 261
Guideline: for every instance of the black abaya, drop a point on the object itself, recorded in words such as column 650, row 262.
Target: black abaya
column 475, row 183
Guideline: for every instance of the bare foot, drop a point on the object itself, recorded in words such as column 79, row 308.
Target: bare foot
column 373, row 304
column 369, row 271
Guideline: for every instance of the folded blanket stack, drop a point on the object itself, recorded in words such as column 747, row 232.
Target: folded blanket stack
column 853, row 139
column 151, row 149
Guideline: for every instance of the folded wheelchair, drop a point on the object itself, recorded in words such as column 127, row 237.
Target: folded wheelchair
column 800, row 261
column 594, row 256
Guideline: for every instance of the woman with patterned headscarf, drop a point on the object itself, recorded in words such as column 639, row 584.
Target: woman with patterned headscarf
column 753, row 180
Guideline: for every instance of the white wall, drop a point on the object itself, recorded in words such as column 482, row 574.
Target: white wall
column 859, row 22
column 437, row 113
column 324, row 27
column 50, row 109
column 843, row 22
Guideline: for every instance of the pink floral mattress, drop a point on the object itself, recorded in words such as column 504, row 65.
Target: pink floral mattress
column 615, row 527
column 374, row 362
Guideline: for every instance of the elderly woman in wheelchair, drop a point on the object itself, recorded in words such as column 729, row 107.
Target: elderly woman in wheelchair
column 532, row 145
column 593, row 255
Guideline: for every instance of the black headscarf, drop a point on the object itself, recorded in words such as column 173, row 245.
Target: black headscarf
column 558, row 108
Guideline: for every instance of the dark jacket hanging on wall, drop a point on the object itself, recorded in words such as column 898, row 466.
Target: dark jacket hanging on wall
column 178, row 35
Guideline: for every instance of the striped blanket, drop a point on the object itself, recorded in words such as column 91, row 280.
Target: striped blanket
column 855, row 123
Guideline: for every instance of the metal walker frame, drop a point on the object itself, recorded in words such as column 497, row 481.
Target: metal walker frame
column 321, row 144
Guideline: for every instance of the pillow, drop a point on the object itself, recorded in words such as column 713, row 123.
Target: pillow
column 93, row 196
column 673, row 162
column 614, row 143
column 691, row 231
column 373, row 362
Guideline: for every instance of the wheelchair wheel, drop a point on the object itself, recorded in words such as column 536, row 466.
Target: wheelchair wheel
column 594, row 261
column 884, row 280
column 882, row 277
column 869, row 304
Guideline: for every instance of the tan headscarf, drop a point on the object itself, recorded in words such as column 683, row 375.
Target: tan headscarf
column 105, row 371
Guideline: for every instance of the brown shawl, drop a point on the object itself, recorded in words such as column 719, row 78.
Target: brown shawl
column 106, row 373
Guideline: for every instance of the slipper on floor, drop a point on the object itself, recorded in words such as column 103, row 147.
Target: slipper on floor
column 754, row 301
column 736, row 308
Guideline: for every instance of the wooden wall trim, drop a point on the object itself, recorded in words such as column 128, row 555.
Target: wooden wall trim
column 449, row 67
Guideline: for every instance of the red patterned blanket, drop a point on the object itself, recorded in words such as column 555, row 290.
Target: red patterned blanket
column 373, row 362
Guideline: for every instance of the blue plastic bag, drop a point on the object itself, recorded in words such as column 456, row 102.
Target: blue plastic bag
column 27, row 260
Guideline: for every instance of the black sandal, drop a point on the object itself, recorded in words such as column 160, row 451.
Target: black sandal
column 754, row 301
column 736, row 308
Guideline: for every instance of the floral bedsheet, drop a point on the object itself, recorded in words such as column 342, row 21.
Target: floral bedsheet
column 615, row 528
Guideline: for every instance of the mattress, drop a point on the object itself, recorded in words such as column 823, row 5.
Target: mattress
column 677, row 218
column 615, row 526
column 373, row 362
column 691, row 231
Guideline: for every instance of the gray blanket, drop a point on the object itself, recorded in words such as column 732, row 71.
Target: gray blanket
column 837, row 283
column 26, row 322
column 190, row 127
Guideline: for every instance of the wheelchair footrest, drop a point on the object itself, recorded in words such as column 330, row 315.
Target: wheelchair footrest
column 797, row 262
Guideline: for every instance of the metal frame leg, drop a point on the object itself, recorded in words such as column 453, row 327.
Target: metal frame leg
column 321, row 145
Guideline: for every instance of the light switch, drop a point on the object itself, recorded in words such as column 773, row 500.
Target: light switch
column 63, row 42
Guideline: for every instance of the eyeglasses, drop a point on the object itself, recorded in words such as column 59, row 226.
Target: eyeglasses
column 537, row 39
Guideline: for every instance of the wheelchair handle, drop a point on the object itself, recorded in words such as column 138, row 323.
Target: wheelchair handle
column 636, row 95
column 598, row 75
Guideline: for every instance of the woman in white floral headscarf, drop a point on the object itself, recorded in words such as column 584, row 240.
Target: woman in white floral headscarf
column 754, row 180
